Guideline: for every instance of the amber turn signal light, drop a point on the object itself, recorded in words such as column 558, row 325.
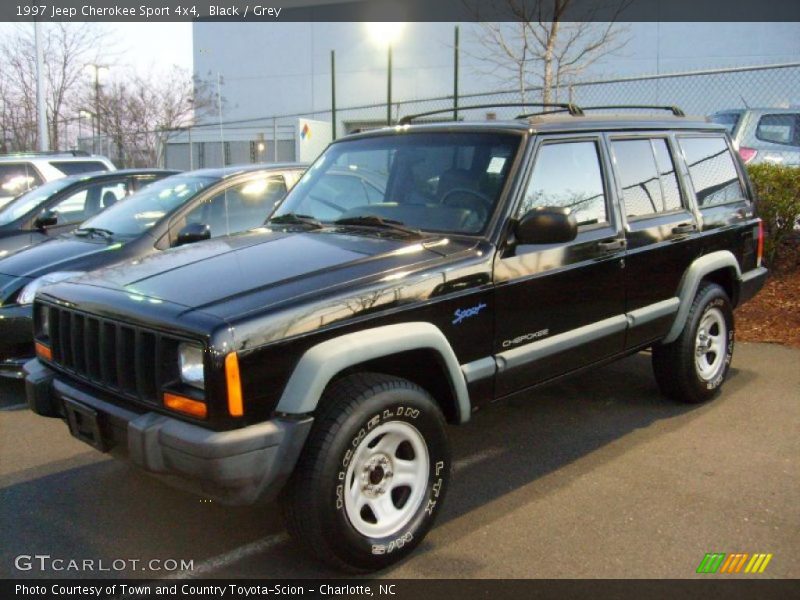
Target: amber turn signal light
column 235, row 405
column 44, row 351
column 186, row 406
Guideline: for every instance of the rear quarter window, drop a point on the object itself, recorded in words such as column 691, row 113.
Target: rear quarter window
column 16, row 178
column 78, row 166
column 779, row 129
column 712, row 170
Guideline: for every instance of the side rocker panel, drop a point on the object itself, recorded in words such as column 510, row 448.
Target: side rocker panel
column 722, row 259
column 322, row 362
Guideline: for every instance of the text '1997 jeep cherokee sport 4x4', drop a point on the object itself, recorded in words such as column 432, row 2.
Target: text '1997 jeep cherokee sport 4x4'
column 321, row 355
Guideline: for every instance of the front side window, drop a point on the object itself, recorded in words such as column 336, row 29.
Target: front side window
column 21, row 206
column 712, row 170
column 240, row 207
column 649, row 183
column 779, row 129
column 568, row 174
column 444, row 182
column 139, row 212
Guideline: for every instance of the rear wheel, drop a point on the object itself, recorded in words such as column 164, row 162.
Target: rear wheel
column 373, row 474
column 693, row 367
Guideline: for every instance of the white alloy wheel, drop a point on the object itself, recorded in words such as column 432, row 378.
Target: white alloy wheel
column 710, row 345
column 387, row 479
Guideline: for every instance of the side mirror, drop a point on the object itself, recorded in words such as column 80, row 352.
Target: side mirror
column 193, row 232
column 546, row 225
column 48, row 218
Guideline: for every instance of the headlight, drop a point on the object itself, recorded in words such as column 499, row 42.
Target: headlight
column 190, row 359
column 29, row 291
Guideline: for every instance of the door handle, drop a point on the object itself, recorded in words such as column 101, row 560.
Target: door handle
column 612, row 245
column 684, row 228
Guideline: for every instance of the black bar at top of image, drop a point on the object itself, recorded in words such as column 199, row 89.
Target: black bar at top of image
column 713, row 588
column 395, row 10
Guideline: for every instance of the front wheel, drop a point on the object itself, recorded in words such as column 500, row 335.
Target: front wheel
column 373, row 474
column 693, row 367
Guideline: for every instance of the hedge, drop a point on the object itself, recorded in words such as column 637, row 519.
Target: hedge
column 777, row 189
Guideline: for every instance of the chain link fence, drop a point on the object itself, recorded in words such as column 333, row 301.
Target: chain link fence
column 278, row 138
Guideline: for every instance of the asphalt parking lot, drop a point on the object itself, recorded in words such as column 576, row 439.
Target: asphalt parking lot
column 594, row 477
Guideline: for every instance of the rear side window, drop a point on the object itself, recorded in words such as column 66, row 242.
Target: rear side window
column 729, row 120
column 779, row 129
column 712, row 170
column 568, row 174
column 649, row 184
column 16, row 178
column 76, row 167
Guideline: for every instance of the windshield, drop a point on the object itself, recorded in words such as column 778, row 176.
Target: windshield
column 21, row 206
column 140, row 211
column 443, row 182
column 729, row 120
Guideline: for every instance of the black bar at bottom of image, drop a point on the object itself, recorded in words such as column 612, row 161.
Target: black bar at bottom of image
column 399, row 589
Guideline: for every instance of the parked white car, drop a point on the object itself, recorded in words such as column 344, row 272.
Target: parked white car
column 20, row 173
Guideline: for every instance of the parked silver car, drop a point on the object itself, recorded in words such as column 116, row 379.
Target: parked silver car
column 770, row 135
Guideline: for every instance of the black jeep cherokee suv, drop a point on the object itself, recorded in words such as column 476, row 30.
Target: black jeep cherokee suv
column 321, row 355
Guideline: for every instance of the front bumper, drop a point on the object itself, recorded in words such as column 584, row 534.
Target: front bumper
column 16, row 339
column 240, row 466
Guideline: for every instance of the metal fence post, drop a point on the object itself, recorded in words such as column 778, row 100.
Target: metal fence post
column 333, row 94
column 274, row 139
column 455, row 76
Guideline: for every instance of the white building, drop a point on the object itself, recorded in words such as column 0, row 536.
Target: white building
column 282, row 68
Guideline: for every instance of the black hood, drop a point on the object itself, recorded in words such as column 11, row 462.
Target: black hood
column 68, row 253
column 228, row 276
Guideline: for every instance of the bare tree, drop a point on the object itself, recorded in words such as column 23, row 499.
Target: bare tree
column 68, row 48
column 140, row 115
column 538, row 48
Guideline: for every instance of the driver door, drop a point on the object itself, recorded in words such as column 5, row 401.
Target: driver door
column 563, row 304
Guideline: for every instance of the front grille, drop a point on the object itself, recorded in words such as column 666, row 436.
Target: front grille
column 134, row 362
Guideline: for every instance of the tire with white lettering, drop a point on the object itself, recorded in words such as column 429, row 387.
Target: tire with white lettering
column 693, row 367
column 373, row 474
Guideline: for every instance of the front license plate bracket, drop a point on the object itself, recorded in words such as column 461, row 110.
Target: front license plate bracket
column 85, row 424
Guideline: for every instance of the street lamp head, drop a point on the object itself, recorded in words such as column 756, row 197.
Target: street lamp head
column 96, row 70
column 385, row 33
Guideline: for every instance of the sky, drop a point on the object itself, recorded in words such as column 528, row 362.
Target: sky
column 142, row 46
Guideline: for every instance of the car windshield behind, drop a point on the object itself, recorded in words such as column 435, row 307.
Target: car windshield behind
column 139, row 212
column 22, row 205
column 730, row 120
column 437, row 181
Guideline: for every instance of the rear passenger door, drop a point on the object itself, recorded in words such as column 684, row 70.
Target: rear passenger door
column 661, row 230
column 562, row 304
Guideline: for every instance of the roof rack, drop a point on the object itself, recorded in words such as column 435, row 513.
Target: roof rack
column 559, row 107
column 572, row 109
column 672, row 108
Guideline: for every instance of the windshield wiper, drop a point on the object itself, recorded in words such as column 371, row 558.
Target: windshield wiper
column 104, row 233
column 296, row 219
column 375, row 221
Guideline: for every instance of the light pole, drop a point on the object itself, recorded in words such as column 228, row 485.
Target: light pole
column 41, row 109
column 96, row 121
column 82, row 114
column 386, row 33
